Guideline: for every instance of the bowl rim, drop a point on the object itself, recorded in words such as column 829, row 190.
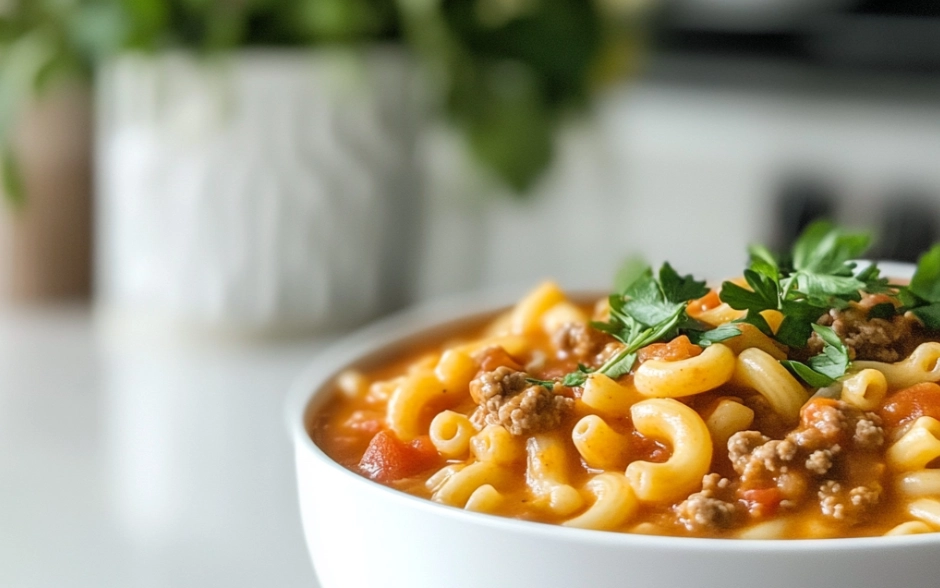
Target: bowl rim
column 309, row 391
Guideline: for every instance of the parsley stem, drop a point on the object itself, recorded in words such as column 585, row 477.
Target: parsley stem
column 646, row 337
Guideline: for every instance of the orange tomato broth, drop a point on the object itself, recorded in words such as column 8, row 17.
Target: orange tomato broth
column 353, row 430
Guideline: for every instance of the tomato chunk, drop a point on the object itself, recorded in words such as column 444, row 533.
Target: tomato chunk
column 910, row 404
column 388, row 458
column 707, row 302
column 761, row 502
column 496, row 356
column 677, row 349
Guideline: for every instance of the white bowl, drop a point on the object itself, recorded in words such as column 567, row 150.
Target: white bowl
column 362, row 534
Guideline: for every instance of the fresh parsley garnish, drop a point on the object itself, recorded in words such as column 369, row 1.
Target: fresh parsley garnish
column 818, row 274
column 651, row 308
column 549, row 384
column 827, row 367
column 922, row 295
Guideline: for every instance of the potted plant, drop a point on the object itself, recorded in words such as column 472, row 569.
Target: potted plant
column 255, row 158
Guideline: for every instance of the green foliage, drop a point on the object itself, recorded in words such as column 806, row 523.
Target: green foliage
column 651, row 308
column 818, row 274
column 12, row 183
column 827, row 367
column 513, row 69
column 509, row 69
column 922, row 296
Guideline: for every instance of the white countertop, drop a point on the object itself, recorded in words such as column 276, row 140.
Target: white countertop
column 128, row 461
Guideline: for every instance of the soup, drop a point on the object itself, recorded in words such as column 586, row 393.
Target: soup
column 796, row 402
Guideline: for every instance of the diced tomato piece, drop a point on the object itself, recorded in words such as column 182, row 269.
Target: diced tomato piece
column 707, row 302
column 676, row 350
column 496, row 356
column 648, row 449
column 810, row 410
column 910, row 404
column 871, row 300
column 388, row 458
column 818, row 410
column 761, row 502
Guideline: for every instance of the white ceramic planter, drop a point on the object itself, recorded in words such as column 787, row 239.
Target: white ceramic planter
column 256, row 191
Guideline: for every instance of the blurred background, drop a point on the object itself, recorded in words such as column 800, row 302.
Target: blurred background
column 201, row 195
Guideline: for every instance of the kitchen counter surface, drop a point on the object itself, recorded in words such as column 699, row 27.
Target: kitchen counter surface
column 140, row 461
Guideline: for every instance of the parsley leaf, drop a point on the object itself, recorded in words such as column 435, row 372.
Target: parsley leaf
column 827, row 250
column 704, row 338
column 817, row 275
column 621, row 367
column 757, row 320
column 925, row 283
column 549, row 384
column 646, row 303
column 834, row 359
column 576, row 378
column 680, row 289
column 630, row 271
column 929, row 315
column 764, row 262
column 922, row 296
column 822, row 262
column 827, row 367
column 650, row 308
column 808, row 374
column 885, row 310
column 874, row 283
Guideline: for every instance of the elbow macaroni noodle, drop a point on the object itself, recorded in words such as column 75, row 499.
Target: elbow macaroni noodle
column 663, row 449
column 758, row 370
column 691, row 445
column 687, row 377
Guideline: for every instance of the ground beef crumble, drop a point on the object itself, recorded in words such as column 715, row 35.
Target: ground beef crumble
column 506, row 398
column 840, row 503
column 813, row 452
column 584, row 343
column 707, row 509
column 875, row 339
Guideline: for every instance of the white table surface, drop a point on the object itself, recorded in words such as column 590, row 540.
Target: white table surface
column 130, row 461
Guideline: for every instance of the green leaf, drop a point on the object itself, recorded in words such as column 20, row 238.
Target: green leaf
column 757, row 320
column 621, row 367
column 629, row 272
column 827, row 367
column 13, row 187
column 578, row 377
column 834, row 360
column 798, row 320
column 926, row 280
column 574, row 379
column 740, row 298
column 929, row 315
column 764, row 286
column 646, row 302
column 613, row 328
column 807, row 374
column 825, row 249
column 822, row 286
column 909, row 299
column 885, row 310
column 548, row 384
column 678, row 288
column 764, row 262
column 716, row 335
column 874, row 283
